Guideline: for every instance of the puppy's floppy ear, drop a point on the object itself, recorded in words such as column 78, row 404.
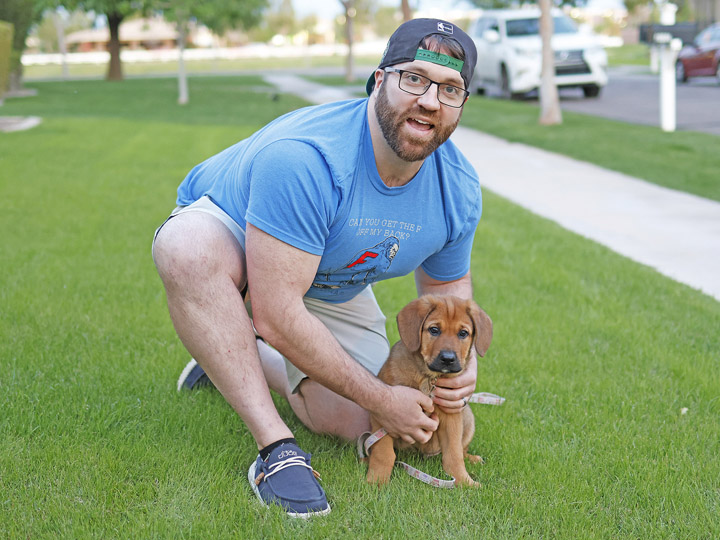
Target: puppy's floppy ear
column 411, row 318
column 483, row 327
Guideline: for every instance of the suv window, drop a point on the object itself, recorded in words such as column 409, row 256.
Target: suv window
column 479, row 27
column 704, row 38
column 531, row 27
column 484, row 23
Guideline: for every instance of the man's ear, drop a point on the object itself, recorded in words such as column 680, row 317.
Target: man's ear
column 379, row 78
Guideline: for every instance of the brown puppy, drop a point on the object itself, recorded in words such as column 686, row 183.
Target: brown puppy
column 436, row 338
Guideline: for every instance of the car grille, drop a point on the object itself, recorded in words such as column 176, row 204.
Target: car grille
column 570, row 63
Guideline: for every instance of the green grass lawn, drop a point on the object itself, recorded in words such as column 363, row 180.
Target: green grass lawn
column 637, row 54
column 596, row 355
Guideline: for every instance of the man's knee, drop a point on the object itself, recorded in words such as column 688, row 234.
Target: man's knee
column 329, row 413
column 192, row 247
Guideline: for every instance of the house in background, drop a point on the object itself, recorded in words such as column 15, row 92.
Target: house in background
column 149, row 34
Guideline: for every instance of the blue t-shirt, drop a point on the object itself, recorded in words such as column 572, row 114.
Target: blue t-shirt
column 309, row 179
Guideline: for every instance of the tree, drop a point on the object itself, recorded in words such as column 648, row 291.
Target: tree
column 55, row 24
column 22, row 14
column 115, row 11
column 218, row 15
column 356, row 12
column 550, row 113
column 406, row 11
column 350, row 12
column 46, row 30
column 549, row 97
column 386, row 20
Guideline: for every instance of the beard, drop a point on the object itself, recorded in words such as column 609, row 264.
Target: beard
column 391, row 121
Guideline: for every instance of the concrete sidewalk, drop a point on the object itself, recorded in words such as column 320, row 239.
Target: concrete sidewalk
column 676, row 233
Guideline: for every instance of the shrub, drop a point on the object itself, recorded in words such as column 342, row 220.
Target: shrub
column 6, row 36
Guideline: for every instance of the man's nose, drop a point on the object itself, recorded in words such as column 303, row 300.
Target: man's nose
column 429, row 99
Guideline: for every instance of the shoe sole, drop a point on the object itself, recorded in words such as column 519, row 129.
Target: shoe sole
column 306, row 515
column 185, row 372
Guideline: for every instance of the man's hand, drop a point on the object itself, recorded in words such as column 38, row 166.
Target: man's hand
column 404, row 413
column 450, row 393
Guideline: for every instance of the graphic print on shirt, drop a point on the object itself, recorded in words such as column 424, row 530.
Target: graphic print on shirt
column 364, row 267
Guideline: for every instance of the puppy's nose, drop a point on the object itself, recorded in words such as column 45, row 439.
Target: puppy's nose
column 447, row 357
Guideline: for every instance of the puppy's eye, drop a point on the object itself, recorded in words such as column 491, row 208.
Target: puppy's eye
column 434, row 331
column 462, row 334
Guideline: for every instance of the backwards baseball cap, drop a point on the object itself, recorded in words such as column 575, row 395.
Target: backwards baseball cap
column 404, row 46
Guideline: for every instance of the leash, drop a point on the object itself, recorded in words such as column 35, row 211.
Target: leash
column 367, row 439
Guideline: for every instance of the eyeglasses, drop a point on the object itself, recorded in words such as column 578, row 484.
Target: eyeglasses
column 416, row 84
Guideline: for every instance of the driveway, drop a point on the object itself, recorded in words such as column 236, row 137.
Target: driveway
column 633, row 96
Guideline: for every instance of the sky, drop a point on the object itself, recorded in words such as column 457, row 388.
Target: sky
column 330, row 8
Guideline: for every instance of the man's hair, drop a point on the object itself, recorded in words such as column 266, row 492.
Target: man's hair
column 443, row 44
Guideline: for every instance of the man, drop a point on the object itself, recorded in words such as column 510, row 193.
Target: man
column 307, row 213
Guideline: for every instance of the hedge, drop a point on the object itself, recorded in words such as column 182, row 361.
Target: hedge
column 6, row 37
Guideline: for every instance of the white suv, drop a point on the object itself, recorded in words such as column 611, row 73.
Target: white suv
column 510, row 53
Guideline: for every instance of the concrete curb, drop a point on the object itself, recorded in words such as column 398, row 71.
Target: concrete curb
column 18, row 123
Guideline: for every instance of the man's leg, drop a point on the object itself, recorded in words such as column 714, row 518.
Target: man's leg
column 320, row 409
column 359, row 326
column 202, row 267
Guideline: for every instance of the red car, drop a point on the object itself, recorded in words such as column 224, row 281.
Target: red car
column 702, row 58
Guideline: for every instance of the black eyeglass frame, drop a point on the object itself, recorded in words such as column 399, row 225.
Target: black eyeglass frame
column 431, row 82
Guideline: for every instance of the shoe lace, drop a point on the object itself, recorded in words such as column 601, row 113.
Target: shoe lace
column 295, row 461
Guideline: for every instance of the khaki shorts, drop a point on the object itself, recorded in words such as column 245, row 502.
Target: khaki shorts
column 358, row 324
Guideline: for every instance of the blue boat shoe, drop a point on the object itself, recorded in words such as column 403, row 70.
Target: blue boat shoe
column 193, row 376
column 286, row 479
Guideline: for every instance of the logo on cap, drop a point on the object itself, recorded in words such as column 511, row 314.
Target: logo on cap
column 444, row 27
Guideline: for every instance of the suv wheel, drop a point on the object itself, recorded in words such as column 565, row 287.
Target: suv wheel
column 476, row 86
column 591, row 90
column 505, row 91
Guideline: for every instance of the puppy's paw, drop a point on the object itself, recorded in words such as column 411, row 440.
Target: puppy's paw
column 379, row 477
column 475, row 459
column 467, row 482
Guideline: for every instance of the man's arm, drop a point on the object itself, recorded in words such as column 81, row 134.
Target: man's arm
column 279, row 275
column 461, row 288
column 449, row 392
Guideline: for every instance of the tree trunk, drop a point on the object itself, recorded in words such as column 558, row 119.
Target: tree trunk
column 60, row 29
column 15, row 79
column 115, row 66
column 349, row 15
column 550, row 113
column 406, row 11
column 183, row 94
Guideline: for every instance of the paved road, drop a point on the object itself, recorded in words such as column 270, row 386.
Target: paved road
column 634, row 97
